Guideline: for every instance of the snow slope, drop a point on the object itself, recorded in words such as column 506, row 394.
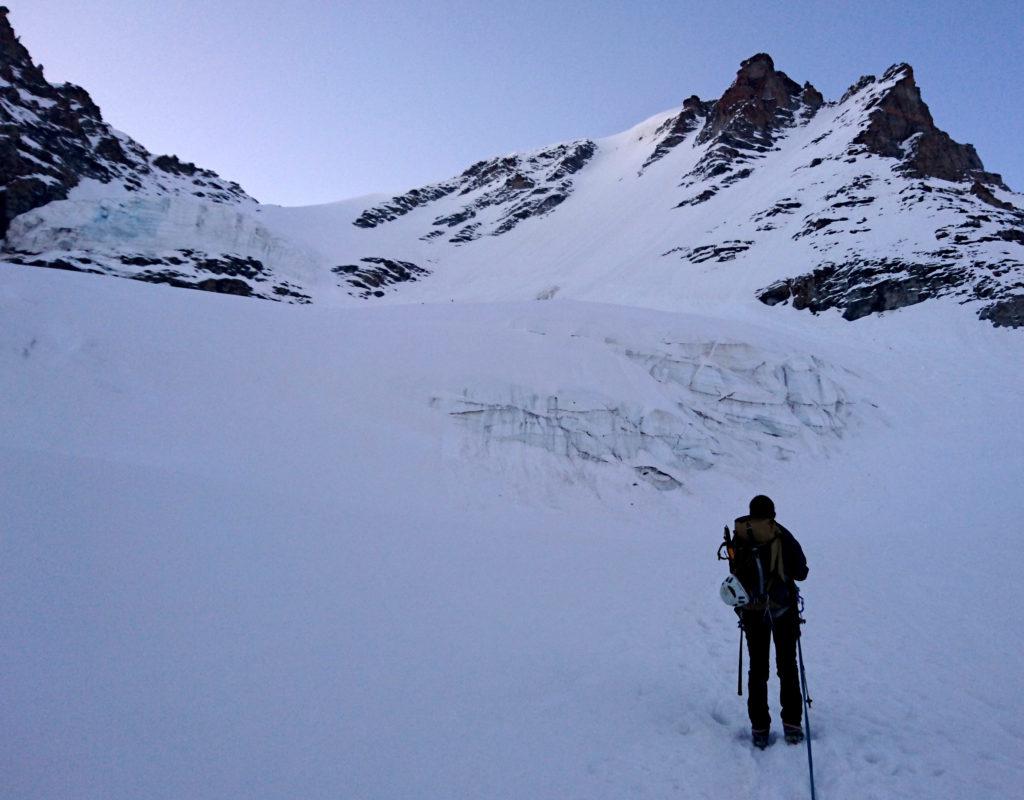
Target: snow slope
column 259, row 550
column 860, row 205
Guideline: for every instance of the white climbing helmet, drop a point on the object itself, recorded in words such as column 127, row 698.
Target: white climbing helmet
column 733, row 593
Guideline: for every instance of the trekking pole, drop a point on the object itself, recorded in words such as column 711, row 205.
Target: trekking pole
column 807, row 705
column 739, row 671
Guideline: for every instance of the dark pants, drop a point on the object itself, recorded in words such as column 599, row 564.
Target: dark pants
column 759, row 630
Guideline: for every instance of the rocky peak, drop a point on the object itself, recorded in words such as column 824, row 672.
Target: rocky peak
column 897, row 114
column 694, row 105
column 901, row 126
column 811, row 97
column 747, row 121
column 757, row 93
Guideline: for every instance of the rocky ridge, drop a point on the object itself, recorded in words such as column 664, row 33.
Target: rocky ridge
column 516, row 187
column 971, row 257
column 762, row 107
column 901, row 126
column 54, row 136
column 861, row 206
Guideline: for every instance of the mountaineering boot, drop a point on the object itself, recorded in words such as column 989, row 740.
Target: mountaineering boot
column 794, row 734
column 759, row 738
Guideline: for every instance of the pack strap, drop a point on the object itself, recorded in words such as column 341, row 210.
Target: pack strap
column 776, row 563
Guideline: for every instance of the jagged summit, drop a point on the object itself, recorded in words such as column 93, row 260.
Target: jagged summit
column 755, row 97
column 768, row 195
column 762, row 100
column 901, row 126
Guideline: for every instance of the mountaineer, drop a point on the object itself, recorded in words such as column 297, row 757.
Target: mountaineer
column 766, row 560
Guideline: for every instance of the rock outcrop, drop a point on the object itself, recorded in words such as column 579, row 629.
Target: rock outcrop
column 754, row 101
column 675, row 131
column 376, row 274
column 500, row 193
column 901, row 126
column 745, row 123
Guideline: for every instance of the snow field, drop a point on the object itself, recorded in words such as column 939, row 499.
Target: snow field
column 243, row 553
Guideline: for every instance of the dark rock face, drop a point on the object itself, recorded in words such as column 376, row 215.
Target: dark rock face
column 901, row 114
column 467, row 234
column 983, row 193
column 54, row 136
column 219, row 285
column 696, row 200
column 785, row 206
column 755, row 113
column 862, row 83
column 1008, row 313
column 375, row 274
column 403, row 204
column 746, row 123
column 813, row 225
column 726, row 251
column 811, row 97
column 966, row 266
column 754, row 99
column 51, row 137
column 860, row 288
column 184, row 269
column 518, row 187
column 674, row 131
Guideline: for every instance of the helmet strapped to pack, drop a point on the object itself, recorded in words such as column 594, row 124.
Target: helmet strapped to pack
column 732, row 592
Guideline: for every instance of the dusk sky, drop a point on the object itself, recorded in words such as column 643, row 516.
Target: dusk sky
column 314, row 101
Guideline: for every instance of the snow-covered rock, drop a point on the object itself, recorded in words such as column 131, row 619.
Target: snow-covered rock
column 54, row 136
column 767, row 194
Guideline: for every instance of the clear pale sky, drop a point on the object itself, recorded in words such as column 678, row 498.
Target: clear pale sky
column 306, row 101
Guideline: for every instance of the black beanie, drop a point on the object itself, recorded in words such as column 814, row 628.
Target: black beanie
column 762, row 507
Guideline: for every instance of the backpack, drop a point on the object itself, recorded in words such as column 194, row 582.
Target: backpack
column 758, row 563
